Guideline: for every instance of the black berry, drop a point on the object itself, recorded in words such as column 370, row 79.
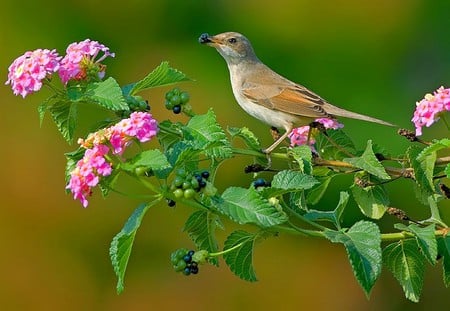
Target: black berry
column 191, row 252
column 176, row 109
column 187, row 258
column 193, row 269
column 205, row 174
column 171, row 203
column 260, row 182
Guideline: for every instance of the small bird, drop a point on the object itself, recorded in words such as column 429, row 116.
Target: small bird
column 268, row 96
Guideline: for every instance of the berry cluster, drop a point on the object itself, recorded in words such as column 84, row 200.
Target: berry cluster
column 261, row 182
column 137, row 103
column 182, row 261
column 187, row 185
column 176, row 99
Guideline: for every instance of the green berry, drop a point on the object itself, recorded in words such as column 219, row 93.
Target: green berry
column 180, row 265
column 169, row 95
column 175, row 100
column 184, row 97
column 178, row 193
column 189, row 193
column 178, row 181
column 186, row 185
column 194, row 183
column 168, row 104
column 181, row 172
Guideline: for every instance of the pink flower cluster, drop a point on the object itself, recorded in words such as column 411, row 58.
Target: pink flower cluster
column 78, row 58
column 430, row 107
column 27, row 71
column 88, row 170
column 299, row 135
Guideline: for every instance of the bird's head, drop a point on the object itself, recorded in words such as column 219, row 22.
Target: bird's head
column 233, row 46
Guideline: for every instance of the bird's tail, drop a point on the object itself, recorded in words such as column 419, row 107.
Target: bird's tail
column 339, row 112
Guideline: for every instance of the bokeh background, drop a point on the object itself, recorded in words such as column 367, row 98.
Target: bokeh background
column 374, row 57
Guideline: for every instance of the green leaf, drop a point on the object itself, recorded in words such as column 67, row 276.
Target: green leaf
column 407, row 265
column 247, row 206
column 423, row 172
column 426, row 239
column 447, row 170
column 169, row 134
column 107, row 94
column 149, row 159
column 363, row 245
column 240, row 260
column 369, row 163
column 204, row 133
column 161, row 75
column 249, row 138
column 122, row 243
column 292, row 180
column 332, row 216
column 64, row 115
column 316, row 193
column 329, row 151
column 303, row 156
column 201, row 226
column 373, row 201
column 444, row 251
column 434, row 147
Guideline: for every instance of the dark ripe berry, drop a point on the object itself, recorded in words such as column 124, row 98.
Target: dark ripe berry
column 191, row 252
column 205, row 174
column 198, row 177
column 171, row 203
column 187, row 271
column 176, row 109
column 202, row 184
column 193, row 269
column 260, row 182
column 195, row 184
column 187, row 258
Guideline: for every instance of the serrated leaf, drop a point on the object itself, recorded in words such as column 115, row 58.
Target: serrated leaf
column 204, row 133
column 447, row 170
column 247, row 206
column 169, row 133
column 329, row 151
column 426, row 239
column 373, row 201
column 303, row 156
column 407, row 265
column 423, row 172
column 43, row 107
column 444, row 251
column 161, row 75
column 240, row 260
column 107, row 94
column 149, row 159
column 201, row 226
column 369, row 163
column 434, row 147
column 363, row 245
column 316, row 193
column 249, row 138
column 332, row 216
column 64, row 115
column 122, row 244
column 292, row 180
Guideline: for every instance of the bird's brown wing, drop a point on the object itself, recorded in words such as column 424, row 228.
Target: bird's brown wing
column 293, row 99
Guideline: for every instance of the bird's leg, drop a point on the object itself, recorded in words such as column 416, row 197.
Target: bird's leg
column 279, row 140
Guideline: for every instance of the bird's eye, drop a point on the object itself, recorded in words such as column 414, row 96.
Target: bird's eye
column 232, row 40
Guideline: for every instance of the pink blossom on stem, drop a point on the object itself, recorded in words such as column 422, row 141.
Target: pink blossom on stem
column 429, row 108
column 299, row 135
column 27, row 71
column 94, row 165
column 80, row 57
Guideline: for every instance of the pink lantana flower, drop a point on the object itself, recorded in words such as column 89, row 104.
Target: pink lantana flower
column 94, row 164
column 87, row 172
column 27, row 71
column 299, row 135
column 80, row 60
column 430, row 107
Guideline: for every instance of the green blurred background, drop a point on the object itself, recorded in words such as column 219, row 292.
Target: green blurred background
column 373, row 57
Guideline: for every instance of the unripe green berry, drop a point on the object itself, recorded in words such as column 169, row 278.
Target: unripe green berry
column 178, row 193
column 184, row 97
column 189, row 193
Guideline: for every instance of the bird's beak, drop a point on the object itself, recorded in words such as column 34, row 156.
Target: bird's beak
column 208, row 40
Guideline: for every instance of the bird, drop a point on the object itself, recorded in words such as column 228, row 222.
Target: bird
column 268, row 96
